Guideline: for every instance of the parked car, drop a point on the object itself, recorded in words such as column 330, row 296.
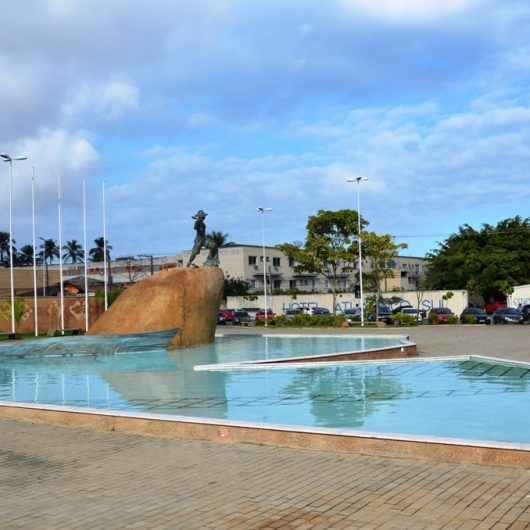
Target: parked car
column 228, row 315
column 252, row 311
column 319, row 311
column 491, row 307
column 525, row 310
column 260, row 315
column 352, row 315
column 478, row 314
column 291, row 313
column 241, row 318
column 398, row 309
column 442, row 314
column 507, row 315
column 384, row 314
column 412, row 312
column 221, row 319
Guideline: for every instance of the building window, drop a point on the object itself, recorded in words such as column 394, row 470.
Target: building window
column 276, row 262
column 252, row 260
column 252, row 284
column 267, row 259
column 403, row 274
column 277, row 284
column 291, row 262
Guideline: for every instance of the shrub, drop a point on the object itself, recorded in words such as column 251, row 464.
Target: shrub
column 452, row 319
column 470, row 319
column 404, row 320
column 433, row 318
column 305, row 321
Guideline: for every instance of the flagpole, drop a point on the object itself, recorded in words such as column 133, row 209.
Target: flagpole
column 105, row 275
column 60, row 222
column 85, row 256
column 35, row 287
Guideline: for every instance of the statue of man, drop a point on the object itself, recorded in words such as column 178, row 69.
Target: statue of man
column 200, row 237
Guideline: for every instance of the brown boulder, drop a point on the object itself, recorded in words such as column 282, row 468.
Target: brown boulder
column 187, row 300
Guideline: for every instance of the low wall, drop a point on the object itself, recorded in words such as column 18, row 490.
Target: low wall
column 219, row 431
column 520, row 296
column 49, row 314
column 280, row 303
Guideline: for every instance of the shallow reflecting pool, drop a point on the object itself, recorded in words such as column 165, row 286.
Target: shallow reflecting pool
column 459, row 399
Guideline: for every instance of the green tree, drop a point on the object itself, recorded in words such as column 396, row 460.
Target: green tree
column 4, row 247
column 73, row 251
column 97, row 254
column 235, row 287
column 380, row 250
column 49, row 251
column 330, row 244
column 490, row 260
column 25, row 256
column 219, row 239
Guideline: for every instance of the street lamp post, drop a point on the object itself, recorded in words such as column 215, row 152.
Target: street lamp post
column 263, row 211
column 9, row 159
column 85, row 258
column 358, row 180
column 60, row 230
column 35, row 287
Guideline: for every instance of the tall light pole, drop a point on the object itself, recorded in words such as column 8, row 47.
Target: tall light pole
column 60, row 228
column 105, row 273
column 10, row 159
column 33, row 222
column 85, row 256
column 358, row 180
column 263, row 211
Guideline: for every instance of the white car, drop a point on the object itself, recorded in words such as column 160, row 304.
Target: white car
column 412, row 312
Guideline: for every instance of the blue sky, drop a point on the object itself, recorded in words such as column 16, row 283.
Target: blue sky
column 229, row 105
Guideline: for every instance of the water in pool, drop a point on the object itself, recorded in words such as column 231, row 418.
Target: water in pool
column 458, row 399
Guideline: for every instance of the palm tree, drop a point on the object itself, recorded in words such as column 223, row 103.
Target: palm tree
column 49, row 250
column 25, row 256
column 73, row 251
column 217, row 238
column 97, row 254
column 4, row 247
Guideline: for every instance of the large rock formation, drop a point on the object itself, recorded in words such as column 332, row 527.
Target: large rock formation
column 187, row 300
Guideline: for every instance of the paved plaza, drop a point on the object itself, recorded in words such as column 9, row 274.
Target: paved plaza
column 59, row 478
column 64, row 478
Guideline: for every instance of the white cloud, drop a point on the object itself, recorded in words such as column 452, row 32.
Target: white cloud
column 107, row 101
column 409, row 10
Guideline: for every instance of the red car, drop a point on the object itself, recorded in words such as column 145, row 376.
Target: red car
column 227, row 314
column 260, row 315
column 443, row 314
column 494, row 306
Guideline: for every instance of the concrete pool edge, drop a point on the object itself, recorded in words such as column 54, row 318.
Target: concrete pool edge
column 295, row 437
column 404, row 350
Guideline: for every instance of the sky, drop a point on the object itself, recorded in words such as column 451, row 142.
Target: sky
column 229, row 105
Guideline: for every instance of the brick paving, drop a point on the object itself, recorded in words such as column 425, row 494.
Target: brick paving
column 60, row 478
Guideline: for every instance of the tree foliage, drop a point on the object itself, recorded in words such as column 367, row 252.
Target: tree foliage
column 330, row 244
column 489, row 261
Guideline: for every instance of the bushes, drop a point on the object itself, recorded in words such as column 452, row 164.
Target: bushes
column 453, row 319
column 404, row 320
column 306, row 321
column 433, row 318
column 469, row 319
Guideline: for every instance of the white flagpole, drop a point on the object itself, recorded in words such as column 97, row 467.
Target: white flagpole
column 105, row 247
column 60, row 222
column 35, row 287
column 85, row 256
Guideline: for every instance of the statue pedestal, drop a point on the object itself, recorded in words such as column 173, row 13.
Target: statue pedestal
column 187, row 300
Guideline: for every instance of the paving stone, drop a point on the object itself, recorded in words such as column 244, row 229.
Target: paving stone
column 58, row 478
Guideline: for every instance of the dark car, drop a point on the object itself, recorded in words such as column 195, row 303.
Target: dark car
column 291, row 313
column 508, row 315
column 442, row 314
column 400, row 308
column 241, row 318
column 260, row 315
column 221, row 319
column 479, row 315
column 319, row 311
column 525, row 311
column 352, row 315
